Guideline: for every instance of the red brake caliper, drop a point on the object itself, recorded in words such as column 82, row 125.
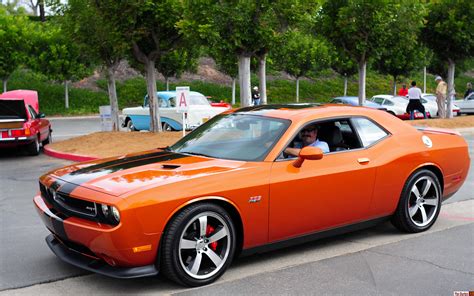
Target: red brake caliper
column 210, row 230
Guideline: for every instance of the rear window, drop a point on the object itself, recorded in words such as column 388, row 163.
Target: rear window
column 12, row 109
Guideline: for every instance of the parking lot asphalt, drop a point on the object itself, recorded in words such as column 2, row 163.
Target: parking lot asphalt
column 331, row 266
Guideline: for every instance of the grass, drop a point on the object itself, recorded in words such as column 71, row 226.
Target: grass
column 131, row 92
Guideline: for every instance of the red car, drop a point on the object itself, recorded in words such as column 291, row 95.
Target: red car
column 21, row 123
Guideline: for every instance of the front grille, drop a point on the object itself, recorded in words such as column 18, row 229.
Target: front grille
column 75, row 205
column 66, row 206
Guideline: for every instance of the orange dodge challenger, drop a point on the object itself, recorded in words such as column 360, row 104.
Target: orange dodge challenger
column 230, row 188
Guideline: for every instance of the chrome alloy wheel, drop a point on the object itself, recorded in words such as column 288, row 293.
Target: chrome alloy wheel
column 204, row 245
column 423, row 201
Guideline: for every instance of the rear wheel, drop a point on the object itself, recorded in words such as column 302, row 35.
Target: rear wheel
column 49, row 139
column 198, row 245
column 420, row 202
column 34, row 147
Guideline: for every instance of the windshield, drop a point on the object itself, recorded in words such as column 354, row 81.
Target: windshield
column 198, row 100
column 234, row 136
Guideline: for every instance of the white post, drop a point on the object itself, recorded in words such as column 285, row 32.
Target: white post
column 345, row 84
column 66, row 94
column 451, row 91
column 4, row 85
column 362, row 67
column 262, row 78
column 184, row 124
column 297, row 89
column 244, row 80
column 424, row 80
column 233, row 91
column 167, row 84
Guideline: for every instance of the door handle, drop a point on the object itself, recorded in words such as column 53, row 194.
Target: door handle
column 363, row 160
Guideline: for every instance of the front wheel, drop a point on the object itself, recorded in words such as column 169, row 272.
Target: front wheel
column 130, row 127
column 198, row 245
column 166, row 127
column 420, row 202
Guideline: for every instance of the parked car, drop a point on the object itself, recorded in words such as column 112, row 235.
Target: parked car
column 397, row 105
column 138, row 118
column 430, row 101
column 221, row 104
column 466, row 105
column 354, row 101
column 228, row 188
column 21, row 123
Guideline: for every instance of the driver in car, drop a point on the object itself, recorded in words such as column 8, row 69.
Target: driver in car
column 309, row 137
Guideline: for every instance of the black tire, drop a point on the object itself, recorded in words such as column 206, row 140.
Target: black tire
column 420, row 202
column 130, row 127
column 166, row 127
column 186, row 227
column 49, row 139
column 33, row 148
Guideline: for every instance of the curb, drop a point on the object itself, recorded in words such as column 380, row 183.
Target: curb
column 68, row 156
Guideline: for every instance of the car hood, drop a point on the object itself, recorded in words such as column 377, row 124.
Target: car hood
column 118, row 176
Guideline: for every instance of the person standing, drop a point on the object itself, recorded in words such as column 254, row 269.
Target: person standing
column 414, row 95
column 403, row 91
column 441, row 91
column 255, row 96
column 469, row 90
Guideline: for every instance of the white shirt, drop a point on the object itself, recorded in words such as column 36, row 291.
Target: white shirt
column 414, row 93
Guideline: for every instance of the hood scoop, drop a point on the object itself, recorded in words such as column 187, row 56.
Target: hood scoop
column 170, row 166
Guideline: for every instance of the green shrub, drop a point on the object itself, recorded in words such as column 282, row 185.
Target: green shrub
column 131, row 92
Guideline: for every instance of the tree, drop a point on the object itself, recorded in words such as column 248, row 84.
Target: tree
column 300, row 54
column 150, row 26
column 359, row 28
column 235, row 26
column 14, row 43
column 178, row 61
column 86, row 24
column 343, row 65
column 449, row 32
column 227, row 63
column 54, row 55
column 403, row 53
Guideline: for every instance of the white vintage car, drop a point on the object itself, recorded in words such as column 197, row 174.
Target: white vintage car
column 138, row 118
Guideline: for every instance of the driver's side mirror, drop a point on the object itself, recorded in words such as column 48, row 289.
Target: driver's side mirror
column 41, row 115
column 309, row 153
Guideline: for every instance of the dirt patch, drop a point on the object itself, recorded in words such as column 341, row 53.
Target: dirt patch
column 105, row 144
column 456, row 122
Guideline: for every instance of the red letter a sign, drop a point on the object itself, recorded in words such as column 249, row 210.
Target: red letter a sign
column 182, row 101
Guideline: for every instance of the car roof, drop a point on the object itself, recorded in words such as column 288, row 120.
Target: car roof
column 172, row 93
column 383, row 96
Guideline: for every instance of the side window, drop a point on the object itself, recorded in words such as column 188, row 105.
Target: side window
column 336, row 135
column 388, row 103
column 162, row 103
column 378, row 101
column 368, row 131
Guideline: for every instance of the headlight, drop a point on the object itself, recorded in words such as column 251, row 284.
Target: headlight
column 111, row 214
column 116, row 214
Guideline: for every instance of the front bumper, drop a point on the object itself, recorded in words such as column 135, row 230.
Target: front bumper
column 103, row 249
column 76, row 258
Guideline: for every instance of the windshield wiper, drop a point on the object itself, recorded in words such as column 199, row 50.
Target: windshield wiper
column 195, row 153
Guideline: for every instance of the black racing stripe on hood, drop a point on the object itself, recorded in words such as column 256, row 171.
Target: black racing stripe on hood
column 74, row 179
column 118, row 162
